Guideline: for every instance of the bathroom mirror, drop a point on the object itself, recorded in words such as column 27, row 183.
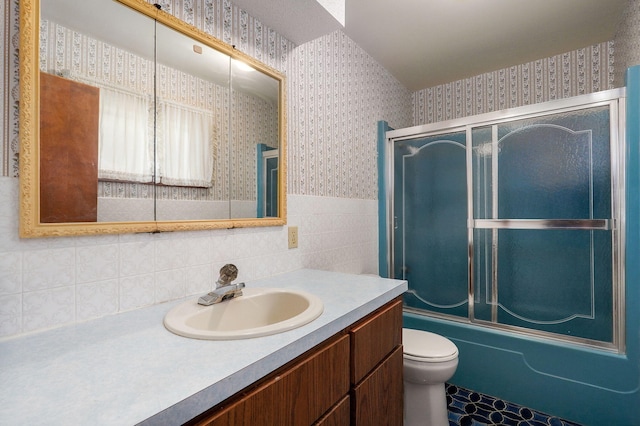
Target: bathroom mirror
column 134, row 121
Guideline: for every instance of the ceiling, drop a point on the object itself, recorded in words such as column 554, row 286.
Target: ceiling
column 424, row 43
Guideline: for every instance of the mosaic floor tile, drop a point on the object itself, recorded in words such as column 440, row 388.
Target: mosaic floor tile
column 469, row 408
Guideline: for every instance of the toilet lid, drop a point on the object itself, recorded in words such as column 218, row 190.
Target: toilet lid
column 427, row 347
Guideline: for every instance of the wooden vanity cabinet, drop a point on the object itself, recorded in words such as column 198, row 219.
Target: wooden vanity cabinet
column 376, row 368
column 295, row 395
column 354, row 378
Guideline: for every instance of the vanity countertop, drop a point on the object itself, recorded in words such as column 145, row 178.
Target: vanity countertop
column 127, row 368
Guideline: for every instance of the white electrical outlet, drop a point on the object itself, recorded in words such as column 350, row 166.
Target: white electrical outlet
column 293, row 237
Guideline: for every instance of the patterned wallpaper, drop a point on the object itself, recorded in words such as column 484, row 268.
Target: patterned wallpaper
column 337, row 93
column 9, row 95
column 581, row 71
column 573, row 73
column 627, row 41
column 225, row 21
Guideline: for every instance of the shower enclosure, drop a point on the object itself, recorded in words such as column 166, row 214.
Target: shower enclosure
column 515, row 219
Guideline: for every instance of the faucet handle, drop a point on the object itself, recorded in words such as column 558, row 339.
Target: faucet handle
column 228, row 273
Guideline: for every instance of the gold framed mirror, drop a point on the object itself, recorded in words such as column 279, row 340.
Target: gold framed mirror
column 132, row 120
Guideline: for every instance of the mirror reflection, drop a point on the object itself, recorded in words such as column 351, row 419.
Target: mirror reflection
column 140, row 122
column 267, row 181
column 253, row 130
column 192, row 128
column 96, row 111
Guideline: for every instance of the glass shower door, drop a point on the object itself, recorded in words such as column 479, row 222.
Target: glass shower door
column 542, row 214
column 514, row 223
column 430, row 187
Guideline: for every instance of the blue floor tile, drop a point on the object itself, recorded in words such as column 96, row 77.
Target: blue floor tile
column 469, row 408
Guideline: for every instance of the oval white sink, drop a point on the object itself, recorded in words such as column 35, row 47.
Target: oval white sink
column 258, row 312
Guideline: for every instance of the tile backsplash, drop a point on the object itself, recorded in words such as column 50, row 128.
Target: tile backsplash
column 46, row 283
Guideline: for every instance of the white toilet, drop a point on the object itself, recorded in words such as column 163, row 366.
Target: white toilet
column 429, row 361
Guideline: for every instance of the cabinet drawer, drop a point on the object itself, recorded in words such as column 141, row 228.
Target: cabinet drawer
column 377, row 400
column 299, row 396
column 373, row 339
column 340, row 415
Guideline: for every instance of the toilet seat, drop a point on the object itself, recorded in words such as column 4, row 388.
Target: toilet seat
column 424, row 346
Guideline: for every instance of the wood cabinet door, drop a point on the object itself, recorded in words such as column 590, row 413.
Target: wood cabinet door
column 297, row 396
column 378, row 399
column 374, row 338
column 69, row 117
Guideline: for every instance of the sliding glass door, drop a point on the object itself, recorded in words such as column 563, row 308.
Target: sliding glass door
column 514, row 222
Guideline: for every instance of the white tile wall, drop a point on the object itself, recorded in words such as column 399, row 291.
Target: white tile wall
column 46, row 283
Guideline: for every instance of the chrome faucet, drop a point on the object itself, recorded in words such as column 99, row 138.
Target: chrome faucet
column 224, row 289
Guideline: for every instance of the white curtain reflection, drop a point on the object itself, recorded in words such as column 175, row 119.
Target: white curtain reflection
column 124, row 123
column 186, row 145
column 185, row 141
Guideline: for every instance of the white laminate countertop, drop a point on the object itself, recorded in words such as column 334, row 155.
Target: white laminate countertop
column 127, row 368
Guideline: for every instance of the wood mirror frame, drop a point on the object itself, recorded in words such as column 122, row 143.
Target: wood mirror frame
column 31, row 225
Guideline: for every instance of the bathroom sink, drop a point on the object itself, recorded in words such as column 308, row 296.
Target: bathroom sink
column 258, row 312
